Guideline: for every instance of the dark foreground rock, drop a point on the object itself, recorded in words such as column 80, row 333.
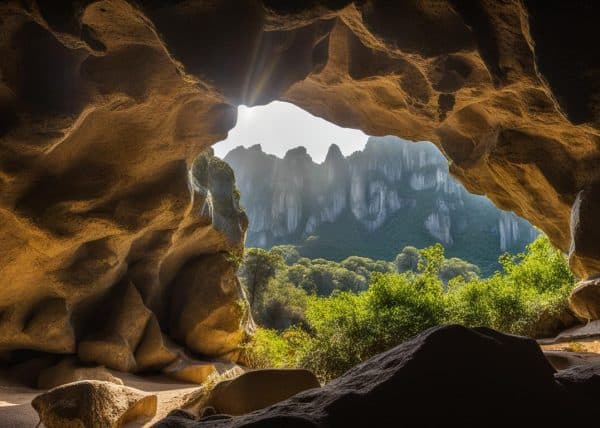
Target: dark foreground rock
column 446, row 376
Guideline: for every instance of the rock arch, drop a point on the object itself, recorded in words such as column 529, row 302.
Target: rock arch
column 104, row 105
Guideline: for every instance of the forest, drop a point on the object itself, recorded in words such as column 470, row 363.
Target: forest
column 328, row 316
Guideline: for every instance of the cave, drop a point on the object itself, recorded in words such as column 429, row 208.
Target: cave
column 109, row 251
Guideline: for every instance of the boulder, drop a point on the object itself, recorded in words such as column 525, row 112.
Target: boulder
column 550, row 323
column 68, row 371
column 191, row 370
column 562, row 360
column 582, row 380
column 445, row 376
column 585, row 299
column 93, row 404
column 258, row 389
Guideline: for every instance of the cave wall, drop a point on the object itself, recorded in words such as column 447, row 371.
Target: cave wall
column 104, row 105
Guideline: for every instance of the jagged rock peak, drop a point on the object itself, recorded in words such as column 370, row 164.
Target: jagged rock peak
column 333, row 154
column 298, row 153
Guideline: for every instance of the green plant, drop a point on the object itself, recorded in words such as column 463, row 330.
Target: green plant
column 337, row 324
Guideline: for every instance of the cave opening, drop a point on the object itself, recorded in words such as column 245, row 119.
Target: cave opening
column 330, row 208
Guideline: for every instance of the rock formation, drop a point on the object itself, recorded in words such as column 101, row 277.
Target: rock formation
column 446, row 376
column 391, row 194
column 258, row 389
column 93, row 404
column 105, row 104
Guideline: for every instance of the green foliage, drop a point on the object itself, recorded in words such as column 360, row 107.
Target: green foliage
column 532, row 285
column 407, row 260
column 271, row 349
column 281, row 305
column 258, row 268
column 339, row 324
column 289, row 253
column 322, row 277
column 455, row 267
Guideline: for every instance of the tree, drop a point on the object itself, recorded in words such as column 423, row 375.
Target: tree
column 289, row 253
column 407, row 260
column 258, row 268
column 431, row 260
column 453, row 267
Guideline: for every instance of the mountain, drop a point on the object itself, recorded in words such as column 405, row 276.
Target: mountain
column 372, row 203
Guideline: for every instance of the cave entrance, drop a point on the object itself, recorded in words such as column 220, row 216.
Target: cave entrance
column 345, row 227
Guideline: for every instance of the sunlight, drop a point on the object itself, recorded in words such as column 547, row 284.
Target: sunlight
column 281, row 126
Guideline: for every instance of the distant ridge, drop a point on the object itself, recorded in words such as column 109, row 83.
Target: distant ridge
column 372, row 203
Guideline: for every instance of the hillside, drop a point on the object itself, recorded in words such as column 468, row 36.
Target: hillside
column 372, row 203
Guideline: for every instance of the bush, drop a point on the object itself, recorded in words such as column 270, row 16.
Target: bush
column 331, row 333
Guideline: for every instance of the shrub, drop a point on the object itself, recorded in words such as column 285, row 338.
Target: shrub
column 338, row 325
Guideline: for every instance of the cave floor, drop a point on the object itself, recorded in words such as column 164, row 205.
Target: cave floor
column 16, row 410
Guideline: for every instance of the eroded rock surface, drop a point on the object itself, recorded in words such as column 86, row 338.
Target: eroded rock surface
column 446, row 376
column 105, row 104
column 93, row 404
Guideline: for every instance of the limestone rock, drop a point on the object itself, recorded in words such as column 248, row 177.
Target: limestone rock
column 153, row 352
column 188, row 371
column 553, row 323
column 258, row 389
column 589, row 330
column 562, row 360
column 191, row 370
column 207, row 300
column 584, row 253
column 585, row 299
column 68, row 371
column 114, row 343
column 490, row 371
column 582, row 379
column 93, row 404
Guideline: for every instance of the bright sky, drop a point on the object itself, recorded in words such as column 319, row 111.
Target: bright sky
column 280, row 126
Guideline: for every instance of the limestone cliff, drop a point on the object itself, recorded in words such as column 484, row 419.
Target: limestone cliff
column 105, row 104
column 372, row 203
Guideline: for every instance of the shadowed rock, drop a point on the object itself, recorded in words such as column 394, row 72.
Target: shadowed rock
column 446, row 376
column 68, row 371
column 585, row 299
column 258, row 389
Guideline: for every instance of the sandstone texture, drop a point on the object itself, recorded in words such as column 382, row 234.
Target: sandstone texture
column 105, row 105
column 585, row 299
column 190, row 370
column 93, row 404
column 446, row 376
column 258, row 389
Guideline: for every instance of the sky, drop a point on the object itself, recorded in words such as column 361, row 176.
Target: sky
column 280, row 126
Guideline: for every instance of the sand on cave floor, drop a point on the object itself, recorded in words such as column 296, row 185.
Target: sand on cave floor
column 16, row 410
column 591, row 345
